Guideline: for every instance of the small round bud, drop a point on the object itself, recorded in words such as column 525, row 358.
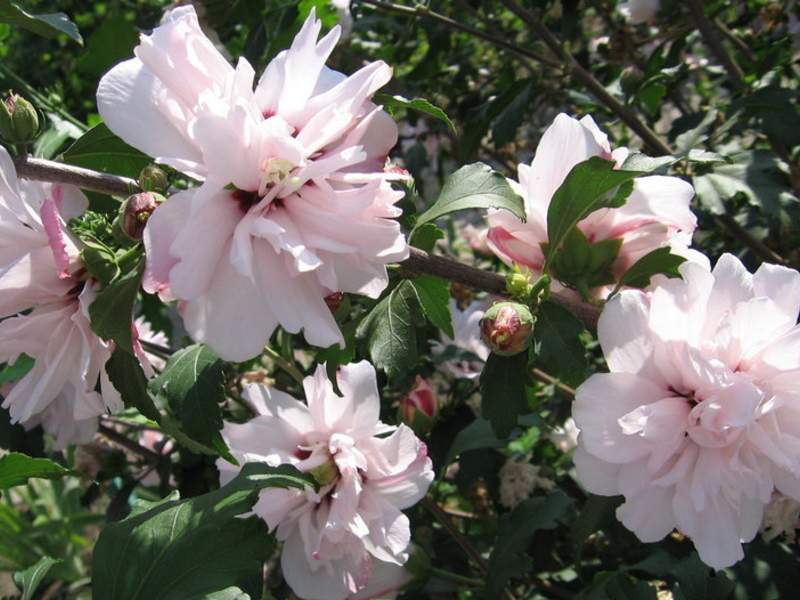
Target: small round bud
column 19, row 120
column 135, row 211
column 153, row 179
column 418, row 408
column 518, row 284
column 506, row 328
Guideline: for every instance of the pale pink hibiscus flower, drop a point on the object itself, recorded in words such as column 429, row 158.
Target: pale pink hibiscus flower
column 40, row 269
column 698, row 422
column 656, row 214
column 368, row 472
column 295, row 203
column 467, row 332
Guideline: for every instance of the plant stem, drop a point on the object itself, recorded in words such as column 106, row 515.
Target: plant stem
column 284, row 364
column 41, row 169
column 706, row 27
column 129, row 444
column 444, row 574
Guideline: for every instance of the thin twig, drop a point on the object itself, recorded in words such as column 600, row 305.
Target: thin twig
column 125, row 442
column 284, row 364
column 706, row 27
column 41, row 169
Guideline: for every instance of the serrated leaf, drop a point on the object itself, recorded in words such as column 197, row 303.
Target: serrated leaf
column 434, row 297
column 50, row 25
column 658, row 262
column 661, row 164
column 590, row 185
column 178, row 549
column 503, row 391
column 698, row 134
column 558, row 343
column 111, row 312
column 419, row 104
column 18, row 370
column 101, row 150
column 16, row 469
column 125, row 373
column 192, row 383
column 425, row 237
column 31, row 578
column 515, row 533
column 698, row 580
column 475, row 436
column 389, row 331
column 475, row 186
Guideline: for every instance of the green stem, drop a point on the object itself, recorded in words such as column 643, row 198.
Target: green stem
column 444, row 574
column 284, row 364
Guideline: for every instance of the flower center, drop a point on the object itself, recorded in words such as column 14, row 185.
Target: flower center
column 276, row 171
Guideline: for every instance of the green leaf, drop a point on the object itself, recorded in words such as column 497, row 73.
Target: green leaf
column 31, row 578
column 698, row 134
column 658, row 262
column 111, row 312
column 661, row 164
column 425, row 237
column 193, row 385
column 756, row 174
column 16, row 469
column 18, row 370
column 558, row 342
column 110, row 43
column 503, row 390
column 698, row 580
column 101, row 150
column 434, row 297
column 475, row 436
column 50, row 25
column 179, row 549
column 590, row 185
column 127, row 376
column 517, row 528
column 650, row 97
column 475, row 186
column 231, row 593
column 581, row 264
column 419, row 104
column 389, row 331
column 597, row 511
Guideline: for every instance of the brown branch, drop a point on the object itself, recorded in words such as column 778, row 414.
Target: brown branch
column 707, row 31
column 41, row 169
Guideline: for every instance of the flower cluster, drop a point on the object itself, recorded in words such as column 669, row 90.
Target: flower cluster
column 655, row 215
column 40, row 270
column 697, row 422
column 368, row 473
column 295, row 204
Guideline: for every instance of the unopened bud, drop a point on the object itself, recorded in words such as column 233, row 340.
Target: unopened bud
column 19, row 120
column 153, row 179
column 518, row 284
column 135, row 211
column 418, row 408
column 630, row 80
column 506, row 328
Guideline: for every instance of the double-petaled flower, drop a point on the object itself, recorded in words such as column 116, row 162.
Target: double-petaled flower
column 295, row 203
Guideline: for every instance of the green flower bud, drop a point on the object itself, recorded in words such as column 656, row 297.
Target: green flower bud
column 153, row 179
column 19, row 120
column 518, row 284
column 506, row 328
column 135, row 211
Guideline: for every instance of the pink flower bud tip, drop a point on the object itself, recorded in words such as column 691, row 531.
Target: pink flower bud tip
column 135, row 212
column 419, row 407
column 506, row 328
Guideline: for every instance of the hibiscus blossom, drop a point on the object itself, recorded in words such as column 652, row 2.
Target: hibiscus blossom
column 295, row 203
column 368, row 472
column 467, row 331
column 40, row 269
column 698, row 422
column 655, row 215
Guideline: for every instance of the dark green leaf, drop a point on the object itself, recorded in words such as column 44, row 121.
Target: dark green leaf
column 389, row 331
column 503, row 390
column 651, row 96
column 698, row 134
column 453, row 352
column 193, row 385
column 31, row 578
column 420, row 104
column 17, row 371
column 179, row 549
column 127, row 376
column 16, row 469
column 475, row 186
column 612, row 586
column 101, row 150
column 111, row 312
column 558, row 342
column 112, row 42
column 659, row 261
column 697, row 580
column 597, row 511
column 50, row 25
column 434, row 297
column 661, row 164
column 425, row 237
column 517, row 528
column 581, row 264
column 590, row 185
column 475, row 436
